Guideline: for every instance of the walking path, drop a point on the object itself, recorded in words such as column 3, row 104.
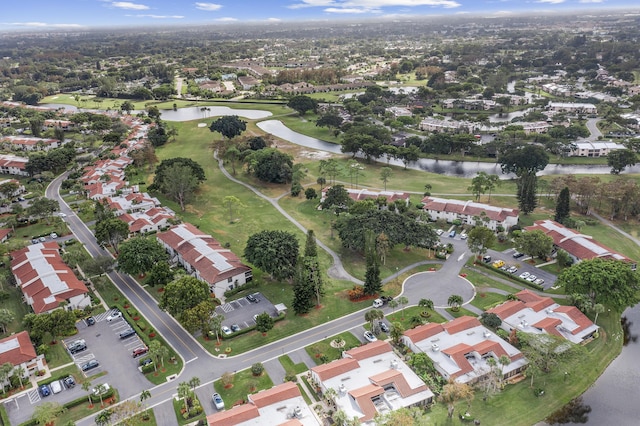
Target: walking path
column 615, row 228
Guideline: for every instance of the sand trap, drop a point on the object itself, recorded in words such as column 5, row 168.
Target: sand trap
column 202, row 124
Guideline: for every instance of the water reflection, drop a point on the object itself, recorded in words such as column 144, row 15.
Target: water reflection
column 574, row 412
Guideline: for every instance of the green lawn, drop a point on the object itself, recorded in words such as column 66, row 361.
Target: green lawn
column 290, row 368
column 484, row 300
column 244, row 383
column 323, row 352
column 460, row 312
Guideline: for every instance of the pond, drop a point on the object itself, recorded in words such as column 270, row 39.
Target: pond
column 202, row 112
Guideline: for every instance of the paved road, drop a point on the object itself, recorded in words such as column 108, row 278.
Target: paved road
column 592, row 126
column 198, row 362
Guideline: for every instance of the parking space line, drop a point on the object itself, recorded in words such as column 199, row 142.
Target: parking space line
column 34, row 396
column 227, row 307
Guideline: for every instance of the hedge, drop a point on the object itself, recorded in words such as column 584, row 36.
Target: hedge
column 243, row 287
column 248, row 329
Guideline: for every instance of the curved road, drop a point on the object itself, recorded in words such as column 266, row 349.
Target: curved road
column 198, row 362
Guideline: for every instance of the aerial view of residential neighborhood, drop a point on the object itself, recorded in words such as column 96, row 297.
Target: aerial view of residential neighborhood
column 319, row 212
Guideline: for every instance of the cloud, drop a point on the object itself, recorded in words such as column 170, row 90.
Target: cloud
column 274, row 20
column 226, row 19
column 550, row 1
column 128, row 5
column 158, row 16
column 42, row 25
column 209, row 7
column 361, row 6
column 591, row 1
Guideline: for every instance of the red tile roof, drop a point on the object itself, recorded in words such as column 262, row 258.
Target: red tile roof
column 363, row 398
column 577, row 316
column 457, row 354
column 17, row 349
column 370, row 350
column 335, row 368
column 287, row 390
column 468, row 208
column 506, row 309
column 423, row 332
column 534, row 301
column 459, row 324
column 234, row 416
column 549, row 325
column 396, row 378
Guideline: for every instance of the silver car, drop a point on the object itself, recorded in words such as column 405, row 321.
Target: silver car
column 217, row 401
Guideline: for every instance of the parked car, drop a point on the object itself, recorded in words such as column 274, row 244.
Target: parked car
column 486, row 259
column 226, row 330
column 69, row 382
column 127, row 333
column 531, row 278
column 139, row 352
column 439, row 232
column 114, row 315
column 54, row 235
column 512, row 270
column 377, row 303
column 217, row 401
column 386, row 299
column 369, row 336
column 452, row 234
column 90, row 365
column 90, row 321
column 56, row 386
column 518, row 255
column 498, row 264
column 77, row 348
column 251, row 298
column 383, row 326
column 235, row 327
column 62, row 214
column 146, row 362
column 524, row 275
column 45, row 390
column 463, row 236
column 539, row 281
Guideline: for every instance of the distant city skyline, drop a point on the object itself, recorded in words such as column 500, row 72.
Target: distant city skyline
column 85, row 14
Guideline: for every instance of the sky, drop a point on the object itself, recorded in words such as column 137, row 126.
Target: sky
column 79, row 14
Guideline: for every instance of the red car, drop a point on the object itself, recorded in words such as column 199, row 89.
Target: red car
column 140, row 351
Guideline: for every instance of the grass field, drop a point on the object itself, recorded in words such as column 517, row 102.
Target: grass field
column 243, row 383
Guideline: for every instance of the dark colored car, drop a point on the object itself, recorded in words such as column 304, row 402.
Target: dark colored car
column 90, row 321
column 386, row 299
column 146, row 362
column 235, row 327
column 45, row 390
column 90, row 365
column 518, row 255
column 69, row 382
column 139, row 352
column 383, row 326
column 127, row 333
column 251, row 298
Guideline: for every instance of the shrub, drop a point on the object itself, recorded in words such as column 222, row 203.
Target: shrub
column 257, row 369
column 357, row 292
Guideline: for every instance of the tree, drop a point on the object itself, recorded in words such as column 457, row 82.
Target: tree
column 310, row 193
column 5, row 372
column 8, row 189
column 275, row 252
column 144, row 395
column 302, row 290
column 535, row 243
column 491, row 183
column 480, row 239
column 337, row 198
column 271, row 165
column 160, row 274
column 229, row 126
column 478, row 184
column 454, row 301
column 619, row 159
column 47, row 412
column 402, row 300
column 598, row 308
column 6, row 318
column 608, row 282
column 98, row 266
column 329, row 119
column 101, row 389
column 184, row 392
column 310, row 246
column 173, row 180
column 302, row 104
column 264, row 322
column 490, row 320
column 385, row 174
column 127, row 106
column 372, row 281
column 43, row 207
column 562, row 206
column 231, row 201
column 426, row 304
column 183, row 294
column 111, row 231
column 215, row 325
column 527, row 190
column 453, row 392
column 563, row 258
column 524, row 162
column 198, row 317
column 86, row 386
column 373, row 315
column 396, row 331
column 382, row 247
column 19, row 371
column 139, row 255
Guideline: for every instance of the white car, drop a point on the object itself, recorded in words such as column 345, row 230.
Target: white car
column 369, row 336
column 531, row 278
column 62, row 214
column 114, row 315
column 463, row 236
column 539, row 281
column 524, row 275
column 217, row 401
column 54, row 235
column 226, row 330
column 439, row 232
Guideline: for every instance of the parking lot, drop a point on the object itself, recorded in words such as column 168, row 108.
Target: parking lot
column 240, row 312
column 522, row 266
column 103, row 345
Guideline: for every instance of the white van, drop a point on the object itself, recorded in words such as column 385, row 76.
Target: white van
column 56, row 387
column 378, row 303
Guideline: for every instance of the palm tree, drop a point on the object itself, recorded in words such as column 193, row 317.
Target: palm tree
column 402, row 300
column 454, row 301
column 393, row 304
column 100, row 389
column 396, row 331
column 46, row 413
column 184, row 391
column 19, row 370
column 427, row 304
column 104, row 417
column 194, row 382
column 598, row 308
column 86, row 386
column 372, row 315
column 144, row 395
